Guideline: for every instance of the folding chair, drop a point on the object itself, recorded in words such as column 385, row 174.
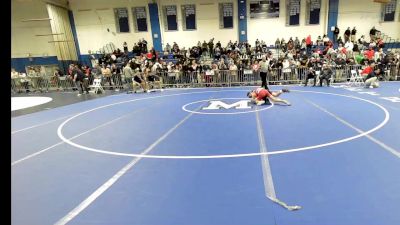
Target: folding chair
column 355, row 79
column 359, row 78
column 97, row 86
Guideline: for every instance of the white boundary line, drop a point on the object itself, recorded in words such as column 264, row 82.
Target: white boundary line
column 231, row 113
column 383, row 145
column 47, row 122
column 266, row 169
column 62, row 142
column 59, row 133
column 89, row 200
column 41, row 124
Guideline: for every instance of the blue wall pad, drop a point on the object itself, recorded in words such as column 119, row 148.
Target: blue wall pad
column 19, row 64
column 73, row 28
column 242, row 17
column 155, row 26
column 332, row 17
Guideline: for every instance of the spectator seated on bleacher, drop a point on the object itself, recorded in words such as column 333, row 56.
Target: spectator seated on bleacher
column 359, row 58
column 369, row 54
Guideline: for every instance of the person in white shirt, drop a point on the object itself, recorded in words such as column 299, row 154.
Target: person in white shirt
column 233, row 71
column 24, row 81
column 286, row 69
column 349, row 46
column 14, row 74
column 325, row 39
column 379, row 54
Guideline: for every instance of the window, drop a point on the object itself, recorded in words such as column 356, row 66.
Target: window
column 189, row 17
column 293, row 13
column 170, row 18
column 264, row 9
column 121, row 18
column 313, row 9
column 139, row 19
column 388, row 11
column 225, row 15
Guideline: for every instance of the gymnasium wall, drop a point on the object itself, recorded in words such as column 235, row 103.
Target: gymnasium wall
column 270, row 29
column 364, row 14
column 26, row 47
column 23, row 37
column 207, row 23
column 93, row 18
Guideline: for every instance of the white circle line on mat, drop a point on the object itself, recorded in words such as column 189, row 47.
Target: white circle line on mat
column 313, row 147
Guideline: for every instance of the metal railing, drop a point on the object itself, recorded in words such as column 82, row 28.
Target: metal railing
column 208, row 78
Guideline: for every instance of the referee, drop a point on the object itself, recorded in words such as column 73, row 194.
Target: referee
column 264, row 66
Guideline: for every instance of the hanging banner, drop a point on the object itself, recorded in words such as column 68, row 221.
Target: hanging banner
column 122, row 13
column 264, row 9
column 227, row 9
column 314, row 11
column 389, row 10
column 190, row 10
column 294, row 12
column 170, row 10
column 140, row 12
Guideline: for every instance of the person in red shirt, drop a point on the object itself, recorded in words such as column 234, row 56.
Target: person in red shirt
column 260, row 95
column 367, row 70
column 369, row 54
column 308, row 44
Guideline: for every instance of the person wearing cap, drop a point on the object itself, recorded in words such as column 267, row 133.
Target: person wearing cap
column 326, row 74
column 261, row 95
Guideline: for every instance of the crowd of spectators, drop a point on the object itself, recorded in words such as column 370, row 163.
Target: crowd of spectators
column 236, row 56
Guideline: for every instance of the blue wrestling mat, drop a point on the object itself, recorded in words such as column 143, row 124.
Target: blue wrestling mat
column 209, row 157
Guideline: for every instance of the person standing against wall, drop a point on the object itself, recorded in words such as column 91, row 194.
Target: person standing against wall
column 125, row 47
column 347, row 35
column 372, row 33
column 336, row 32
column 211, row 47
column 353, row 35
